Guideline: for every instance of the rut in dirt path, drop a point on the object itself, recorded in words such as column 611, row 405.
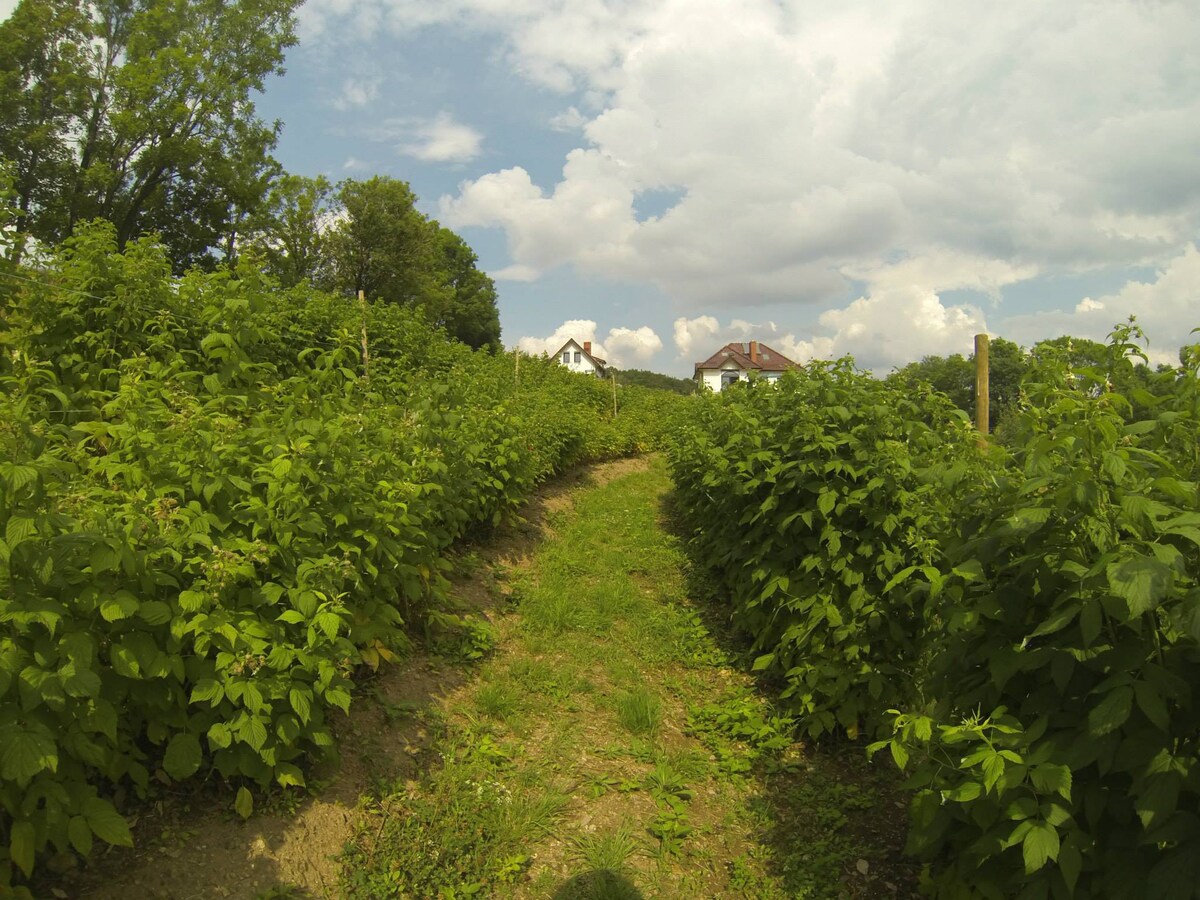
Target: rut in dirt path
column 608, row 748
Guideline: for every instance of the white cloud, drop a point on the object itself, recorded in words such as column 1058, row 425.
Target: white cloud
column 630, row 347
column 888, row 327
column 571, row 119
column 623, row 347
column 1167, row 309
column 914, row 147
column 440, row 139
column 356, row 93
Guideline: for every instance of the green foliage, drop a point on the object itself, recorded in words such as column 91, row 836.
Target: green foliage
column 656, row 380
column 1071, row 615
column 140, row 113
column 809, row 499
column 210, row 518
column 1032, row 610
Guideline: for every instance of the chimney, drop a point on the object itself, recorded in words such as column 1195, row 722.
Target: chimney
column 587, row 347
column 754, row 351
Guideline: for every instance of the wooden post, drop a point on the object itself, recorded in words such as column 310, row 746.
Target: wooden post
column 614, row 382
column 517, row 365
column 362, row 305
column 981, row 385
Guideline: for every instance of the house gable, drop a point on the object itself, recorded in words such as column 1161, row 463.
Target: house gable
column 578, row 358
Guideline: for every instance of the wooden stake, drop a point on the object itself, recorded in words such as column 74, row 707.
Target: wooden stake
column 981, row 385
column 517, row 366
column 362, row 304
column 614, row 381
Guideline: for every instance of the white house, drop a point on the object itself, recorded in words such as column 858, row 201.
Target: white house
column 735, row 362
column 578, row 358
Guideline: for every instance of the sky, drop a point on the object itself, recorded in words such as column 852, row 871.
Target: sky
column 878, row 179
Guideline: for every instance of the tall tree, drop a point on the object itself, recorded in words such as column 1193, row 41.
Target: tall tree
column 382, row 245
column 43, row 92
column 954, row 376
column 153, row 100
column 471, row 315
column 289, row 232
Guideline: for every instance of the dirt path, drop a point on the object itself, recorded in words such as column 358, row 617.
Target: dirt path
column 606, row 747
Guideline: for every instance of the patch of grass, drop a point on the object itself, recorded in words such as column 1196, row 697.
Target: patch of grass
column 465, row 830
column 639, row 711
column 609, row 851
column 498, row 700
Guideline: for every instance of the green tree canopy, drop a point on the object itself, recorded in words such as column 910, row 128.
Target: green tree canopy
column 140, row 112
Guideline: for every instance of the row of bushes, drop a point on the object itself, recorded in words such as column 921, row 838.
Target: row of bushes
column 1019, row 626
column 210, row 516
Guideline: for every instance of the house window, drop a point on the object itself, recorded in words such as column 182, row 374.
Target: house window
column 728, row 378
column 578, row 356
column 566, row 356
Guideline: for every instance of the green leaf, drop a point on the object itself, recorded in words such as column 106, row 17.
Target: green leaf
column 244, row 803
column 1151, row 703
column 252, row 697
column 1040, row 844
column 1091, row 620
column 80, row 835
column 156, row 612
column 899, row 754
column 183, row 756
column 1111, row 712
column 301, row 703
column 253, row 732
column 106, row 823
column 826, row 500
column 762, row 662
column 220, row 735
column 1050, row 778
column 25, row 753
column 121, row 605
column 18, row 529
column 208, row 689
column 288, row 775
column 1141, row 581
column 22, row 840
column 339, row 698
column 1070, row 863
column 965, row 792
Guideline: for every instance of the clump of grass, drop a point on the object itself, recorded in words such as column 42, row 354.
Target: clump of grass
column 607, row 852
column 639, row 712
column 498, row 700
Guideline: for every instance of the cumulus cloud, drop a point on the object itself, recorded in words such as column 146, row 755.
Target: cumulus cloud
column 915, row 148
column 886, row 328
column 440, row 139
column 1167, row 309
column 624, row 348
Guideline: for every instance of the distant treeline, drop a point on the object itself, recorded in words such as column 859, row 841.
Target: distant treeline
column 644, row 378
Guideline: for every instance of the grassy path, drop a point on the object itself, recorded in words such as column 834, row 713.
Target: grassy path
column 606, row 749
column 603, row 745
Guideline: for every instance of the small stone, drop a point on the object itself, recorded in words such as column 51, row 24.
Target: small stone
column 863, row 867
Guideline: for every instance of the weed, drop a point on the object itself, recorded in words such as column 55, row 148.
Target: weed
column 639, row 712
column 498, row 699
column 607, row 852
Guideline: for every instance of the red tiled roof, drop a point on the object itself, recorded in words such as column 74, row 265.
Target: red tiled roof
column 767, row 358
